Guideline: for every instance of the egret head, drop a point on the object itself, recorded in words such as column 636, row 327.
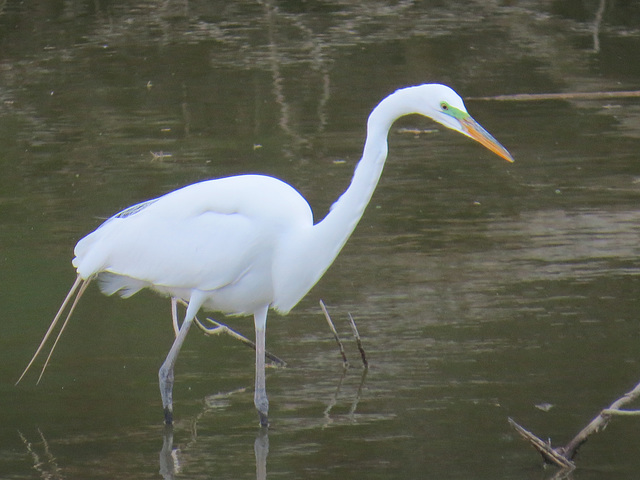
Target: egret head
column 446, row 107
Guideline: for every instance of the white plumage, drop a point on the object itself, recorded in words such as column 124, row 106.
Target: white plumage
column 244, row 244
column 166, row 244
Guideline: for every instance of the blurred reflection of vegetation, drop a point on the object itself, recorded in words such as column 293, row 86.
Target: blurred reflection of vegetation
column 98, row 90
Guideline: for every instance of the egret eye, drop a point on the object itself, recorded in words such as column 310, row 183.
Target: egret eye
column 444, row 106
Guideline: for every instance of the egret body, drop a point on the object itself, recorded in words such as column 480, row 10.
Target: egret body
column 244, row 244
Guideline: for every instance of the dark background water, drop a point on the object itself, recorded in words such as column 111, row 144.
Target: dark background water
column 481, row 289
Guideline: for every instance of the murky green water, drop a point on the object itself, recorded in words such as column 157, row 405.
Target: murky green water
column 481, row 289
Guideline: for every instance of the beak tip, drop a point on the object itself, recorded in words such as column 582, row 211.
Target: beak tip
column 474, row 130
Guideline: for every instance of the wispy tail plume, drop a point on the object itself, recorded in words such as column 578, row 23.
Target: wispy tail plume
column 83, row 286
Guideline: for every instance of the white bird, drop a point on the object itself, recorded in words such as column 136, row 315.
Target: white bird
column 244, row 244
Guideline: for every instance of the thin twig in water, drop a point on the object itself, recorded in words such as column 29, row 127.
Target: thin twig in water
column 358, row 341
column 345, row 362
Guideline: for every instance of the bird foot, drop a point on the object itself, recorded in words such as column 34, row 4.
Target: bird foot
column 168, row 415
column 264, row 421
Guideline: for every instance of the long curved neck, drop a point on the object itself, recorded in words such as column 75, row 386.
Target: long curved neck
column 311, row 252
column 336, row 228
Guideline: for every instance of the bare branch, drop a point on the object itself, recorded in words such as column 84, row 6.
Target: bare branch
column 345, row 362
column 544, row 448
column 358, row 341
column 621, row 413
column 599, row 422
column 563, row 456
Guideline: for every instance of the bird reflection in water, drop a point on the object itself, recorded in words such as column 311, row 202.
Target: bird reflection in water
column 173, row 461
column 170, row 464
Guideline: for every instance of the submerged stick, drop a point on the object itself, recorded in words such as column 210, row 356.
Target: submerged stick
column 527, row 97
column 549, row 454
column 358, row 341
column 563, row 456
column 345, row 362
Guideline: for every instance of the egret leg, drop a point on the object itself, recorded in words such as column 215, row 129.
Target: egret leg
column 260, row 397
column 218, row 329
column 165, row 375
column 174, row 315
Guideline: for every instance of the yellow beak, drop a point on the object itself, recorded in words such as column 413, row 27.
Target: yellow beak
column 474, row 130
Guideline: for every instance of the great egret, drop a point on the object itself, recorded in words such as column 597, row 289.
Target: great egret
column 244, row 244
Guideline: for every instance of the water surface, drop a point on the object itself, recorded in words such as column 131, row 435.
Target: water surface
column 480, row 288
